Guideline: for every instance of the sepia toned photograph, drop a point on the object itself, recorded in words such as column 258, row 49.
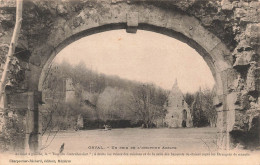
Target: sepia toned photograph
column 167, row 82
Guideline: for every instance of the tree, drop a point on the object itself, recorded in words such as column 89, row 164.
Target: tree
column 189, row 98
column 148, row 103
column 113, row 104
column 203, row 111
column 208, row 107
column 16, row 32
column 56, row 114
column 199, row 118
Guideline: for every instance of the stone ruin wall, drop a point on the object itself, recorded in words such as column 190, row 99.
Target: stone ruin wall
column 235, row 22
column 175, row 106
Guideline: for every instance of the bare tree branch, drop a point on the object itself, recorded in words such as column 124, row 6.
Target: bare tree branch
column 17, row 27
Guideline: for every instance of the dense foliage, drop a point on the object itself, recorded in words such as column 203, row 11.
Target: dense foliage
column 202, row 109
column 110, row 98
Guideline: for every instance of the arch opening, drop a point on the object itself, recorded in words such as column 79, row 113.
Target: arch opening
column 66, row 27
column 145, row 27
column 184, row 118
column 206, row 44
column 184, row 112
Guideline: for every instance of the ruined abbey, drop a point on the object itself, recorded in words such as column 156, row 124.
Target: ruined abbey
column 178, row 112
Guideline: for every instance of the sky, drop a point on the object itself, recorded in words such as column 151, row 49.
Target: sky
column 144, row 56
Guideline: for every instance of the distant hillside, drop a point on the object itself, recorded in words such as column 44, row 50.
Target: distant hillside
column 112, row 98
column 88, row 79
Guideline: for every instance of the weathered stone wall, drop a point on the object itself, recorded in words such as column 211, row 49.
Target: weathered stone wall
column 176, row 105
column 244, row 91
column 70, row 91
column 225, row 33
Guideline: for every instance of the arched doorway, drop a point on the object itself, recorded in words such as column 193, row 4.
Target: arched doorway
column 175, row 24
column 184, row 117
column 185, row 31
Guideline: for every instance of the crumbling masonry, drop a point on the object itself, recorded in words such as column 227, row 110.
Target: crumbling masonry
column 178, row 111
column 224, row 32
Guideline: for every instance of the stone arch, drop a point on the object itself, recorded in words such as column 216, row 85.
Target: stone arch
column 171, row 23
column 49, row 26
column 216, row 64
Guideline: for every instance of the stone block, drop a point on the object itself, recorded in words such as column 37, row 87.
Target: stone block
column 240, row 61
column 6, row 17
column 7, row 3
column 241, row 121
column 244, row 58
column 220, row 121
column 132, row 22
column 235, row 4
column 226, row 5
column 243, row 45
column 61, row 9
column 35, row 60
column 230, row 119
column 217, row 101
column 255, row 5
column 257, row 85
column 116, row 1
column 220, row 108
column 21, row 100
column 159, row 17
column 221, row 140
column 232, row 79
column 251, row 78
column 18, row 101
column 228, row 78
column 257, row 72
column 222, row 56
column 252, row 33
column 240, row 12
column 210, row 43
column 232, row 101
column 244, row 101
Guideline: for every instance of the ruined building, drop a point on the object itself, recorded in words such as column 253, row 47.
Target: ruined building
column 70, row 90
column 178, row 111
column 86, row 97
